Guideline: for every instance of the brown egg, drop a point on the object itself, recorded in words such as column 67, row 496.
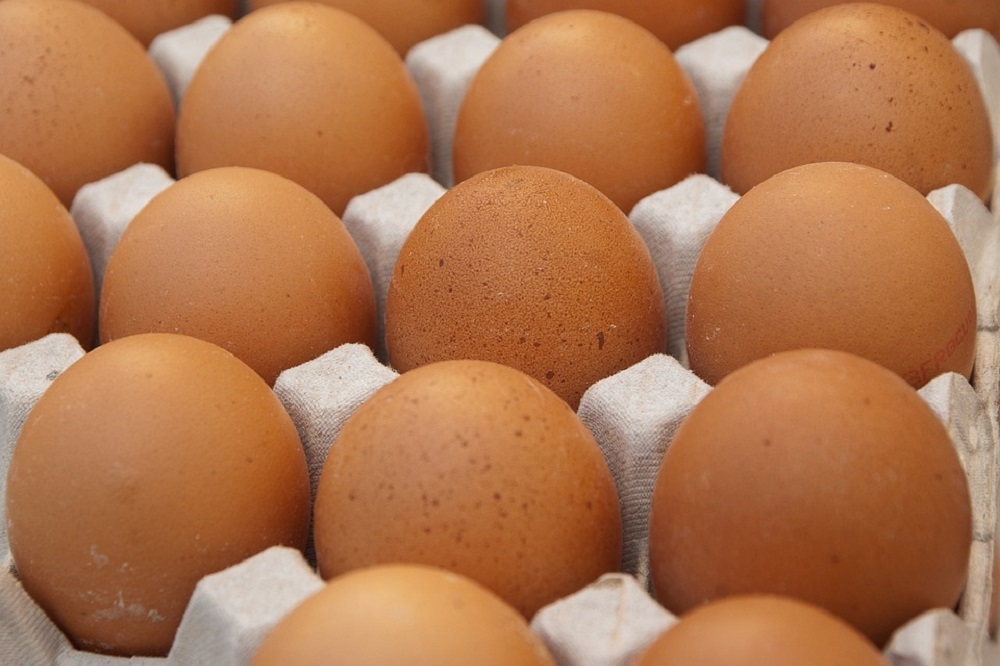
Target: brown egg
column 80, row 99
column 833, row 255
column 402, row 614
column 951, row 17
column 246, row 259
column 406, row 22
column 44, row 267
column 146, row 20
column 477, row 468
column 674, row 22
column 865, row 83
column 589, row 93
column 818, row 475
column 149, row 463
column 761, row 631
column 532, row 268
column 309, row 92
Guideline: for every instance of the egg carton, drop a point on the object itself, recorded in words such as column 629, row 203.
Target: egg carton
column 632, row 414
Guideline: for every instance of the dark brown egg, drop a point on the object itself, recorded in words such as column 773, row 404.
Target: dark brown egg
column 589, row 93
column 675, row 22
column 146, row 20
column 79, row 97
column 866, row 83
column 403, row 614
column 761, row 631
column 149, row 463
column 310, row 92
column 477, row 468
column 833, row 255
column 48, row 286
column 406, row 22
column 951, row 17
column 246, row 259
column 529, row 267
column 818, row 475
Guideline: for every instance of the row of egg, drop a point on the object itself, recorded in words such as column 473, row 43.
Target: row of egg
column 957, row 329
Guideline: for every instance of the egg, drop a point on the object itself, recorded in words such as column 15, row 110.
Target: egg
column 146, row 20
column 44, row 267
column 152, row 461
column 818, row 475
column 865, row 83
column 833, row 255
column 243, row 258
column 309, row 92
column 950, row 17
column 760, row 630
column 529, row 267
column 586, row 92
column 402, row 614
column 79, row 97
column 476, row 468
column 674, row 22
column 405, row 23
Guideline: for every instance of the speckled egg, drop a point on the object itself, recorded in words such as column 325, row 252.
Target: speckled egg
column 79, row 97
column 866, row 83
column 477, row 468
column 532, row 268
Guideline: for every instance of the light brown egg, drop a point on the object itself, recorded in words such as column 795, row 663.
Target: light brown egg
column 674, row 22
column 149, row 463
column 477, row 468
column 833, row 255
column 761, row 631
column 48, row 286
column 818, row 475
column 402, row 614
column 865, row 83
column 146, row 20
column 532, row 268
column 406, row 22
column 589, row 93
column 310, row 92
column 79, row 97
column 951, row 17
column 246, row 259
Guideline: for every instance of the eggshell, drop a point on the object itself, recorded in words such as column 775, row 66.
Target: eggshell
column 307, row 91
column 243, row 258
column 477, row 468
column 674, row 22
column 147, row 464
column 47, row 282
column 403, row 614
column 761, row 631
column 818, row 475
column 833, row 255
column 146, row 20
column 529, row 267
column 406, row 22
column 80, row 99
column 865, row 83
column 951, row 17
column 589, row 93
